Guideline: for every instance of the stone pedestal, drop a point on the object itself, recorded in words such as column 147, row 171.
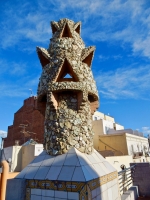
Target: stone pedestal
column 71, row 176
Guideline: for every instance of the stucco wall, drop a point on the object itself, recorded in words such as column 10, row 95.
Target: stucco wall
column 29, row 152
column 98, row 130
column 27, row 155
column 98, row 115
column 136, row 144
column 13, row 152
column 113, row 142
column 117, row 161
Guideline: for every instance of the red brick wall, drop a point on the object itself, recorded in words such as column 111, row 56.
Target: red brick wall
column 27, row 114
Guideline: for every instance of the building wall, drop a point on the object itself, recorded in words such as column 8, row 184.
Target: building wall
column 29, row 152
column 118, row 126
column 98, row 130
column 98, row 115
column 117, row 161
column 27, row 155
column 30, row 115
column 136, row 144
column 121, row 144
column 115, row 142
column 107, row 125
column 14, row 153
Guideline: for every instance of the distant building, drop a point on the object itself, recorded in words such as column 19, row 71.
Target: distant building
column 111, row 139
column 28, row 123
column 103, row 123
column 122, row 143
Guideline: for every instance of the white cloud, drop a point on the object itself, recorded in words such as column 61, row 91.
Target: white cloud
column 3, row 133
column 13, row 68
column 115, row 57
column 146, row 130
column 125, row 83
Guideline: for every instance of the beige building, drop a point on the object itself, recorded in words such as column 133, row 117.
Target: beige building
column 20, row 156
column 122, row 144
column 103, row 123
column 111, row 139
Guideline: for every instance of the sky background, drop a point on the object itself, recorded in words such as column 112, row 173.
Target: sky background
column 120, row 30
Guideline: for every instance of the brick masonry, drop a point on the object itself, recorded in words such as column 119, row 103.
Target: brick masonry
column 28, row 114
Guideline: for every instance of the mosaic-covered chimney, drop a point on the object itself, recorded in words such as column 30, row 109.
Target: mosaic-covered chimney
column 67, row 93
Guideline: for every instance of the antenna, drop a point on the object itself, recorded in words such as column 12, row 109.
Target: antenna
column 31, row 93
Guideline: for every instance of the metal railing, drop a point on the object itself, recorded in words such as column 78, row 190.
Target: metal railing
column 125, row 179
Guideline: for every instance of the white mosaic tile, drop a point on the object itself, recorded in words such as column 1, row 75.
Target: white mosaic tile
column 96, row 157
column 31, row 172
column 91, row 158
column 104, row 168
column 78, row 175
column 114, row 182
column 98, row 191
column 61, row 194
column 99, row 156
column 23, row 173
column 66, row 173
column 47, row 198
column 110, row 184
column 53, row 172
column 83, row 160
column 94, row 193
column 88, row 176
column 63, row 167
column 73, row 196
column 36, row 192
column 103, row 188
column 37, row 161
column 104, row 195
column 109, row 167
column 100, row 172
column 59, row 160
column 89, row 172
column 48, row 161
column 110, row 196
column 115, row 192
column 35, row 197
column 99, row 197
column 48, row 193
column 71, row 159
column 78, row 164
column 41, row 173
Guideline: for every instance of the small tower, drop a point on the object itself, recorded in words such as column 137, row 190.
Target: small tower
column 67, row 89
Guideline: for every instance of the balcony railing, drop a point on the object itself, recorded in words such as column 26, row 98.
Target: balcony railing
column 125, row 179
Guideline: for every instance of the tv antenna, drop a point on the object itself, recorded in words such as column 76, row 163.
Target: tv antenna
column 31, row 92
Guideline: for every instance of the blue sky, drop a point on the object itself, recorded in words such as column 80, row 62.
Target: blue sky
column 120, row 30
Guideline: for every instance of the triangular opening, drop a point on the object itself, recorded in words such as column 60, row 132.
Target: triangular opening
column 43, row 60
column 66, row 73
column 67, row 76
column 88, row 59
column 54, row 29
column 78, row 28
column 66, row 31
